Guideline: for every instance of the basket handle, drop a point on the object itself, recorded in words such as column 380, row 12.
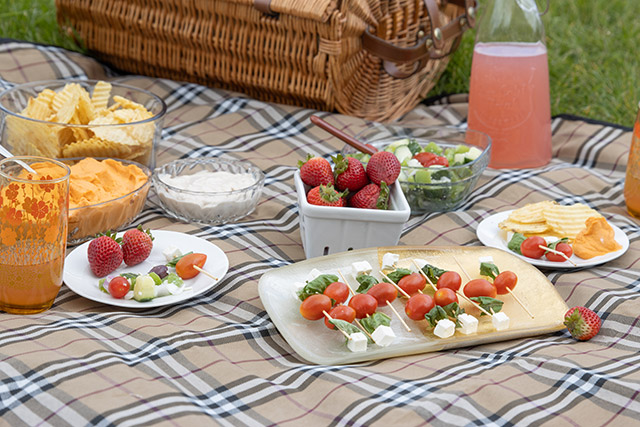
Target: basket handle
column 428, row 46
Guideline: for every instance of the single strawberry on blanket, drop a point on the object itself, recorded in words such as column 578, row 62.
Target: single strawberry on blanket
column 349, row 173
column 582, row 323
column 136, row 245
column 383, row 166
column 104, row 254
column 326, row 195
column 372, row 196
column 315, row 171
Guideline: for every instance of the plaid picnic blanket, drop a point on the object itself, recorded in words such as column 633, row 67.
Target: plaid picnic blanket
column 219, row 358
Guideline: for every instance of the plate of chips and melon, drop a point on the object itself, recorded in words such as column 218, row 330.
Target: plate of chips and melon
column 600, row 242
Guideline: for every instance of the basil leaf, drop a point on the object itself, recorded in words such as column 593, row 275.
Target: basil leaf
column 317, row 285
column 376, row 319
column 488, row 303
column 175, row 260
column 398, row 274
column 433, row 273
column 554, row 244
column 515, row 242
column 344, row 326
column 101, row 285
column 489, row 269
column 437, row 313
column 453, row 310
column 366, row 283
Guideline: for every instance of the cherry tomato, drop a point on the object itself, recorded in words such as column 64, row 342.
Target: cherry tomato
column 119, row 286
column 418, row 305
column 504, row 280
column 480, row 288
column 313, row 306
column 444, row 296
column 412, row 283
column 531, row 247
column 342, row 312
column 450, row 279
column 364, row 305
column 383, row 292
column 427, row 159
column 185, row 265
column 337, row 291
column 565, row 248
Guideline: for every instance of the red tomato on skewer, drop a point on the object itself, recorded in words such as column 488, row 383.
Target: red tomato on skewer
column 341, row 312
column 313, row 306
column 383, row 292
column 480, row 288
column 364, row 305
column 445, row 296
column 184, row 266
column 337, row 291
column 530, row 247
column 412, row 283
column 565, row 248
column 449, row 279
column 504, row 280
column 418, row 305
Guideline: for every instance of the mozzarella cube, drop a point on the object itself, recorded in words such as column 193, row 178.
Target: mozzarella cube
column 313, row 274
column 357, row 342
column 383, row 336
column 170, row 252
column 510, row 235
column 420, row 262
column 488, row 259
column 500, row 321
column 444, row 329
column 468, row 324
column 361, row 267
column 389, row 260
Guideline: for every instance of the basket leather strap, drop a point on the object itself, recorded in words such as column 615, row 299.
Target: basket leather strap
column 427, row 47
column 264, row 6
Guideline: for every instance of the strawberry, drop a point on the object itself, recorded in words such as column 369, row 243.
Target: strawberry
column 350, row 174
column 136, row 245
column 326, row 195
column 383, row 166
column 583, row 324
column 104, row 254
column 315, row 171
column 371, row 196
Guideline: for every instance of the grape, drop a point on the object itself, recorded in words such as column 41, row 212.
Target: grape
column 160, row 270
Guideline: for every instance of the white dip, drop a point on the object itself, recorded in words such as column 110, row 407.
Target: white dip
column 208, row 205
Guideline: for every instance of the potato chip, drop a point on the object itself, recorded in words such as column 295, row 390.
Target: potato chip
column 95, row 147
column 524, row 228
column 32, row 138
column 531, row 213
column 127, row 103
column 100, row 96
column 84, row 111
column 569, row 220
column 46, row 97
column 65, row 136
column 68, row 108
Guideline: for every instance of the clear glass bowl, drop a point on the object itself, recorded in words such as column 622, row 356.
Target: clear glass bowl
column 57, row 125
column 449, row 187
column 87, row 221
column 202, row 203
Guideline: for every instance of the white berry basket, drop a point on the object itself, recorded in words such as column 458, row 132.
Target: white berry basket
column 326, row 230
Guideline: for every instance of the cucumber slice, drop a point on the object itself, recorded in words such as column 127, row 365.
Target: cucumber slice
column 473, row 153
column 144, row 289
column 395, row 144
column 403, row 153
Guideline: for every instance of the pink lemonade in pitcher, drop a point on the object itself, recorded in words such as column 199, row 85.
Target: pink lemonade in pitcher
column 509, row 100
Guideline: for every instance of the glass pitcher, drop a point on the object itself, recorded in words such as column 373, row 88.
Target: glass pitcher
column 509, row 88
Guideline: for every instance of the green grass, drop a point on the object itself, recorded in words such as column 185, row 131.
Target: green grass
column 593, row 63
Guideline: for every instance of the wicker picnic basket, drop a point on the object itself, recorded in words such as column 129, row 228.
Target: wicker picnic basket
column 367, row 58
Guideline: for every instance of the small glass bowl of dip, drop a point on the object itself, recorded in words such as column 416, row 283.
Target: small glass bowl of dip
column 208, row 190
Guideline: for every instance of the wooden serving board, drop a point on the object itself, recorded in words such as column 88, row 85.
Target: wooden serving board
column 313, row 341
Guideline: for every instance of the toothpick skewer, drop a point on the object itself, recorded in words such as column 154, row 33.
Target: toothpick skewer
column 205, row 272
column 406, row 295
column 424, row 275
column 353, row 293
column 524, row 307
column 462, row 268
column 328, row 316
column 398, row 315
column 562, row 254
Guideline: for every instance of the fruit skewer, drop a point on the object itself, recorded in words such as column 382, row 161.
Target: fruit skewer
column 328, row 316
column 344, row 280
column 562, row 254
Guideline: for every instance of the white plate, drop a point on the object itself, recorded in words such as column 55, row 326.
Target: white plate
column 79, row 278
column 491, row 235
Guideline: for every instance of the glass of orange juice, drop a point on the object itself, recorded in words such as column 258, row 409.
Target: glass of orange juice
column 632, row 179
column 33, row 232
